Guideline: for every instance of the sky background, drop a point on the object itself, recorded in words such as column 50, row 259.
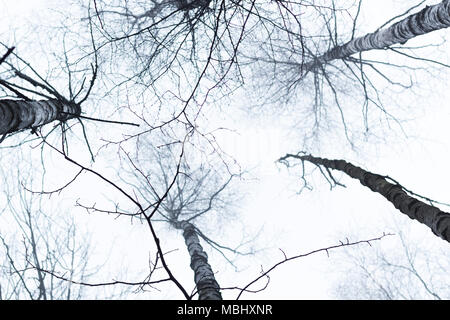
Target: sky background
column 271, row 206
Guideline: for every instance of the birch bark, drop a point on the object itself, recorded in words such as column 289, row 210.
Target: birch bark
column 437, row 220
column 429, row 19
column 20, row 114
column 207, row 286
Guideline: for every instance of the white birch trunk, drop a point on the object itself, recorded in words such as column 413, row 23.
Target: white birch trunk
column 429, row 19
column 16, row 115
column 438, row 221
column 207, row 286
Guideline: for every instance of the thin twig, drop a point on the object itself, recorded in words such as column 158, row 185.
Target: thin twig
column 101, row 120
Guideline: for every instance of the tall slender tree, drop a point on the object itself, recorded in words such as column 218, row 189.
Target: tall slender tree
column 36, row 247
column 327, row 67
column 205, row 281
column 16, row 115
column 437, row 220
column 30, row 101
column 421, row 266
column 192, row 193
column 429, row 19
column 8, row 52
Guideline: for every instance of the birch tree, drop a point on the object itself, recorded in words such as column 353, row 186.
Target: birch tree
column 407, row 269
column 30, row 101
column 36, row 248
column 16, row 115
column 205, row 282
column 429, row 19
column 165, row 62
column 403, row 199
column 345, row 83
column 195, row 195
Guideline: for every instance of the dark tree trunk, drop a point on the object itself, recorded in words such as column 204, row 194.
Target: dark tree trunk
column 20, row 114
column 207, row 286
column 437, row 220
column 10, row 50
column 429, row 19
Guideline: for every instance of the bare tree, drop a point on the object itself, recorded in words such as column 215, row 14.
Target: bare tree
column 193, row 193
column 403, row 199
column 36, row 247
column 429, row 19
column 21, row 114
column 340, row 79
column 27, row 110
column 405, row 270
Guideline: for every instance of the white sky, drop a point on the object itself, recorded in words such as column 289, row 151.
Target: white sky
column 297, row 223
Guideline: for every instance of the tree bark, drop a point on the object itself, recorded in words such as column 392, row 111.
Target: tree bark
column 20, row 114
column 437, row 220
column 207, row 286
column 429, row 19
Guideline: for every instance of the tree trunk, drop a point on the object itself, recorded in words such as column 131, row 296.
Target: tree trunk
column 429, row 19
column 437, row 220
column 207, row 286
column 20, row 114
